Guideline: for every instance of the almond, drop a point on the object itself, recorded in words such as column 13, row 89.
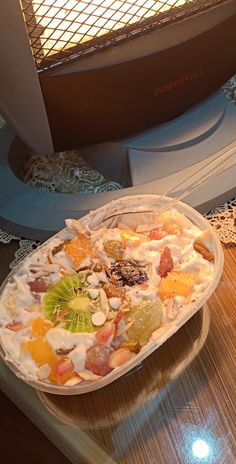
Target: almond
column 200, row 248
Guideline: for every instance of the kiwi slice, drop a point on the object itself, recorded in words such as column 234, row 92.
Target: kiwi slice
column 69, row 297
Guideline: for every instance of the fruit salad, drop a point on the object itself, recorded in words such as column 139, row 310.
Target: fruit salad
column 90, row 300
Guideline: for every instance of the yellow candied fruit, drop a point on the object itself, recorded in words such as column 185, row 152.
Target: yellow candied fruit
column 40, row 351
column 131, row 238
column 78, row 249
column 40, row 326
column 174, row 221
column 177, row 283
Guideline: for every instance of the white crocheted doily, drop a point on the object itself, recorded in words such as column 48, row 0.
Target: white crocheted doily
column 25, row 246
column 67, row 172
column 223, row 219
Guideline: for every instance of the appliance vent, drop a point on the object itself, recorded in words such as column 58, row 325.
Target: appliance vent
column 65, row 30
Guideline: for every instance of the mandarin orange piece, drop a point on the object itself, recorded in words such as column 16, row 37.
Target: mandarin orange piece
column 40, row 351
column 40, row 326
column 176, row 283
column 78, row 249
column 133, row 238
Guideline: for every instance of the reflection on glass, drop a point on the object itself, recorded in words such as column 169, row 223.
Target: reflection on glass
column 139, row 393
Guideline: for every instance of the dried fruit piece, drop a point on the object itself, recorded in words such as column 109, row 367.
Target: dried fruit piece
column 176, row 283
column 166, row 263
column 114, row 292
column 199, row 247
column 114, row 249
column 78, row 249
column 98, row 359
column 127, row 272
column 133, row 239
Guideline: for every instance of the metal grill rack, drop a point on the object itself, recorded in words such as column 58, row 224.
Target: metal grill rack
column 65, row 30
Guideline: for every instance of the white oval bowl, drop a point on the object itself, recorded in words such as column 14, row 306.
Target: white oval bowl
column 137, row 203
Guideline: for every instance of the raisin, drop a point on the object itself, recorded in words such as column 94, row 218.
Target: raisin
column 128, row 272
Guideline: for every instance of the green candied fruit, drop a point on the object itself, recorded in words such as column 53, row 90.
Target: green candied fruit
column 146, row 317
column 66, row 301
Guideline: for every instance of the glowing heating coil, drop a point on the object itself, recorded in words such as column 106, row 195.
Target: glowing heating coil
column 64, row 27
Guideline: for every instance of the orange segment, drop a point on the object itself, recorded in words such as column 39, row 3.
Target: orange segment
column 40, row 351
column 78, row 249
column 132, row 238
column 177, row 283
column 40, row 327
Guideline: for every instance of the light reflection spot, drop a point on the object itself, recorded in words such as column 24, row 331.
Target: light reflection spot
column 200, row 449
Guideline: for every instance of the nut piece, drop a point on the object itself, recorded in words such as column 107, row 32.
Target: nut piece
column 98, row 318
column 114, row 292
column 200, row 248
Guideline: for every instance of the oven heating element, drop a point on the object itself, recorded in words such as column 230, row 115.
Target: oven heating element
column 61, row 31
column 84, row 72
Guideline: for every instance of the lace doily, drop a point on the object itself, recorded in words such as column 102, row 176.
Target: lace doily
column 25, row 245
column 230, row 89
column 67, row 172
column 223, row 219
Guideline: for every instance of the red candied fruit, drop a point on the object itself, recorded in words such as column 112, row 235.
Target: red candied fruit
column 166, row 263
